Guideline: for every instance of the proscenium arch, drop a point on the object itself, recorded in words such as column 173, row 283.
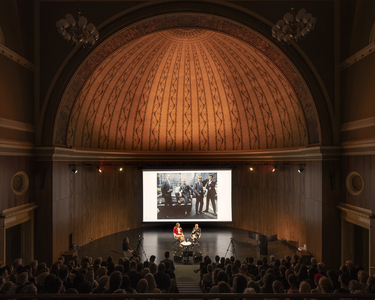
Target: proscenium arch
column 163, row 16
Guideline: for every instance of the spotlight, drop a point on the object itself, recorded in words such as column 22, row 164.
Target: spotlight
column 120, row 169
column 274, row 168
column 251, row 169
column 100, row 169
column 74, row 170
column 301, row 168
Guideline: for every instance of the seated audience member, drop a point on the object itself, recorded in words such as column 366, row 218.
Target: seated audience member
column 153, row 268
column 249, row 291
column 344, row 280
column 152, row 259
column 251, row 267
column 278, row 287
column 244, row 272
column 114, row 282
column 221, row 276
column 324, row 285
column 228, row 270
column 362, row 278
column 102, row 285
column 167, row 259
column 355, row 286
column 207, row 279
column 142, row 286
column 29, row 289
column 295, row 260
column 343, row 269
column 144, row 272
column 89, row 277
column 134, row 276
column 267, row 286
column 126, row 285
column 314, row 263
column 151, row 284
column 235, row 273
column 302, row 274
column 371, row 285
column 334, row 278
column 282, row 278
column 224, row 288
column 22, row 280
column 163, row 281
column 304, row 288
column 322, row 268
column 239, row 284
column 293, row 283
column 64, row 276
column 311, row 280
column 221, row 265
column 169, row 271
column 34, row 266
column 54, row 286
column 254, row 285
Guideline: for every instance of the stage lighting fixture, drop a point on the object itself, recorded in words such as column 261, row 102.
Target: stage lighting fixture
column 120, row 169
column 74, row 170
column 251, row 169
column 301, row 168
column 274, row 168
column 100, row 169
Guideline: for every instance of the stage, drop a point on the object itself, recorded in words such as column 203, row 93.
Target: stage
column 155, row 240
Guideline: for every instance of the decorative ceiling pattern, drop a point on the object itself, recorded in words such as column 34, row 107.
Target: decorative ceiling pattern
column 187, row 89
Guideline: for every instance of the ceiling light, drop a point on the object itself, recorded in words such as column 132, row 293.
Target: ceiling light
column 100, row 169
column 293, row 27
column 77, row 32
column 274, row 168
column 74, row 170
column 120, row 169
column 251, row 169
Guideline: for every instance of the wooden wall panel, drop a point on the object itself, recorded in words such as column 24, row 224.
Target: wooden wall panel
column 285, row 203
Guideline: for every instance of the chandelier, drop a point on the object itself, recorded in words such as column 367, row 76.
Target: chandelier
column 77, row 32
column 293, row 28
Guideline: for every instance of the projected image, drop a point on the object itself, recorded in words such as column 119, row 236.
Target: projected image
column 191, row 195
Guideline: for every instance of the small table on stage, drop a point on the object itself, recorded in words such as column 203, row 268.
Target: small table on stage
column 187, row 251
column 262, row 240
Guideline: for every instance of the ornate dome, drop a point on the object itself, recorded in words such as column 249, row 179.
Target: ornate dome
column 187, row 89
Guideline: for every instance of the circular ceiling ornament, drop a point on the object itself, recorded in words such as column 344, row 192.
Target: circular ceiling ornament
column 354, row 183
column 20, row 183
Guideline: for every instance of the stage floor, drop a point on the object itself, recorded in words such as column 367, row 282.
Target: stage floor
column 215, row 240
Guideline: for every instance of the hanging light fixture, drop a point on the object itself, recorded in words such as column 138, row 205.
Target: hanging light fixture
column 293, row 27
column 77, row 32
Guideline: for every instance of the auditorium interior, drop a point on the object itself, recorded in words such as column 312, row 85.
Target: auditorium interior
column 183, row 85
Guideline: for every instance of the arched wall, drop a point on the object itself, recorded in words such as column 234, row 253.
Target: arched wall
column 67, row 87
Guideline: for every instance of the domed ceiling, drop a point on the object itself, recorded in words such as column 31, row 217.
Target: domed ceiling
column 187, row 89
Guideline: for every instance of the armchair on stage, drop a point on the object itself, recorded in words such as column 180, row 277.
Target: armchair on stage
column 262, row 240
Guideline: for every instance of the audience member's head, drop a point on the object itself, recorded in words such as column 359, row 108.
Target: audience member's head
column 142, row 286
column 304, row 288
column 255, row 285
column 115, row 280
column 278, row 287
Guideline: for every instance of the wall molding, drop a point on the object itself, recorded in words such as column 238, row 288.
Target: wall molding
column 358, row 56
column 16, row 57
column 20, row 126
column 16, row 148
column 363, row 123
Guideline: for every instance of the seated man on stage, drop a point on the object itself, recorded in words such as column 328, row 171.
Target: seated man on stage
column 128, row 252
column 178, row 233
column 196, row 233
column 186, row 192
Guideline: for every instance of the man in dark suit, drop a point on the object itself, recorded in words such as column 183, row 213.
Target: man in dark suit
column 186, row 192
column 211, row 193
column 198, row 186
column 166, row 190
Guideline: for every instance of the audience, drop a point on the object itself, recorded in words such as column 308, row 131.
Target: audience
column 273, row 276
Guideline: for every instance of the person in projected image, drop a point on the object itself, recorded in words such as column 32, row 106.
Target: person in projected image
column 211, row 193
column 166, row 189
column 198, row 186
column 186, row 191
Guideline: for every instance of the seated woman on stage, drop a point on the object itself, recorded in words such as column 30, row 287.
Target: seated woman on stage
column 177, row 233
